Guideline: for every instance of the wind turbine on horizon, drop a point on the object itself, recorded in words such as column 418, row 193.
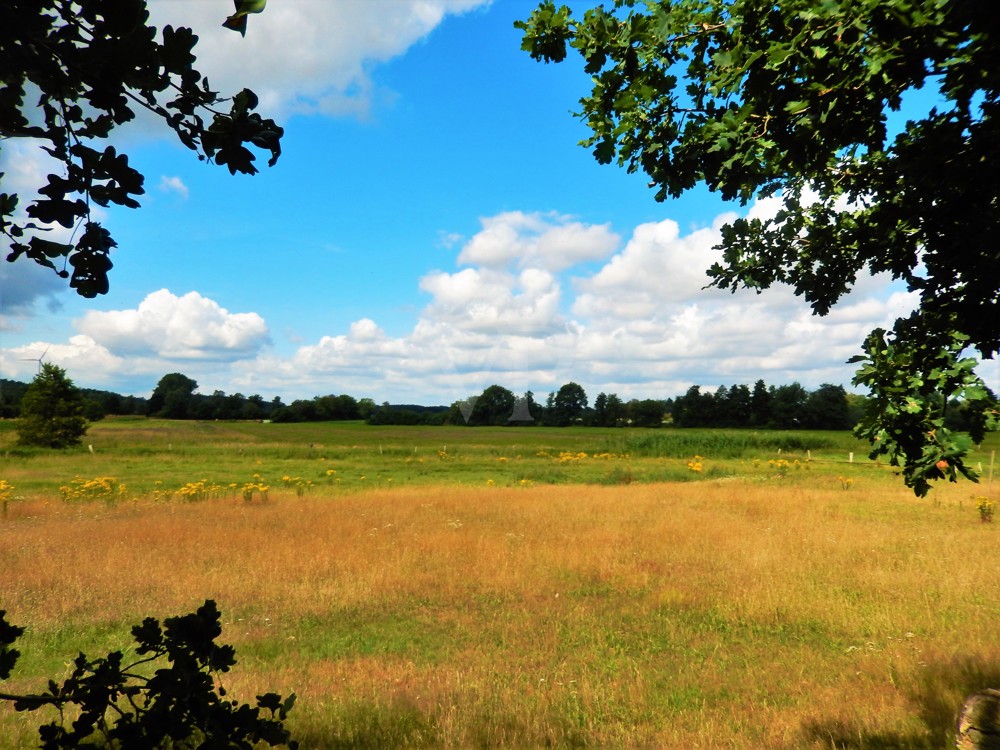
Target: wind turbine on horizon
column 40, row 358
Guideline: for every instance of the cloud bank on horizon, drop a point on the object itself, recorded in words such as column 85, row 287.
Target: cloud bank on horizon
column 524, row 312
column 536, row 297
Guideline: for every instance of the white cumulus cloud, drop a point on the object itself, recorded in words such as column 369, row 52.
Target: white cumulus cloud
column 534, row 240
column 190, row 327
column 487, row 300
column 307, row 55
column 657, row 267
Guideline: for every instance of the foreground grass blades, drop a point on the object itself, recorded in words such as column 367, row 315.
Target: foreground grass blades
column 753, row 609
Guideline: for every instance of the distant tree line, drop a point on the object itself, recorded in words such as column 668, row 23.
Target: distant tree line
column 783, row 407
column 174, row 398
column 791, row 406
column 96, row 404
column 567, row 406
column 408, row 414
column 775, row 407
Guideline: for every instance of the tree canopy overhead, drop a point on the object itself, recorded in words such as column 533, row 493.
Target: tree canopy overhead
column 792, row 100
column 73, row 71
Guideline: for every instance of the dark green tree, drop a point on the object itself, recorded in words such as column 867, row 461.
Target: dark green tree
column 790, row 100
column 11, row 393
column 826, row 408
column 717, row 405
column 600, row 418
column 856, row 405
column 232, row 407
column 300, row 410
column 569, row 405
column 737, row 407
column 616, row 411
column 788, row 407
column 549, row 411
column 694, row 408
column 254, row 408
column 610, row 410
column 647, row 412
column 366, row 407
column 72, row 72
column 208, row 407
column 93, row 410
column 52, row 411
column 760, row 404
column 173, row 397
column 493, row 407
column 337, row 407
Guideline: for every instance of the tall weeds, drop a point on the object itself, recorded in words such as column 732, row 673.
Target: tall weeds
column 706, row 614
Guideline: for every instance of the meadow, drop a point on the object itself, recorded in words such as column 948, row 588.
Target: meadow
column 517, row 587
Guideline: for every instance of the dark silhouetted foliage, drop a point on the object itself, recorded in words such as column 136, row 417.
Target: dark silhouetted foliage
column 165, row 696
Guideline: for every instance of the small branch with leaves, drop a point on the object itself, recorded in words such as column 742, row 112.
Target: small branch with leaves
column 180, row 704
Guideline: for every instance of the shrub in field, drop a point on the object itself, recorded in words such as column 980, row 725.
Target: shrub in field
column 119, row 706
column 200, row 490
column 51, row 411
column 110, row 489
column 257, row 487
column 618, row 475
column 98, row 488
column 985, row 506
column 297, row 483
column 6, row 490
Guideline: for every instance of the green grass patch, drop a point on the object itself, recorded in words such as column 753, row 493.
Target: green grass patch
column 423, row 635
column 677, row 443
column 156, row 457
column 529, row 587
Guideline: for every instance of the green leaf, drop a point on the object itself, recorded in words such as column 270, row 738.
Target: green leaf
column 723, row 59
column 777, row 54
column 238, row 21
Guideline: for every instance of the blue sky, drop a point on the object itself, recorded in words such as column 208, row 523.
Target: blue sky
column 431, row 228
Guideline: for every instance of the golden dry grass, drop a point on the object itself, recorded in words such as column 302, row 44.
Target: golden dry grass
column 726, row 614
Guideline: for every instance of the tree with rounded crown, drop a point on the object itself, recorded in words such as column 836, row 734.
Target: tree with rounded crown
column 790, row 100
column 569, row 404
column 51, row 411
column 173, row 396
column 493, row 407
